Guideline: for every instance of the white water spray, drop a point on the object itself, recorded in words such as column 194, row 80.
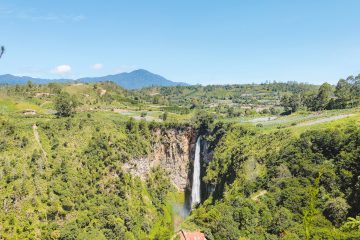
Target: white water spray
column 195, row 191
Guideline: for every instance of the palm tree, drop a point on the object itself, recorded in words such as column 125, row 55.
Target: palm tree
column 2, row 50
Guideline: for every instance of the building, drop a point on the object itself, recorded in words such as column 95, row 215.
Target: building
column 191, row 235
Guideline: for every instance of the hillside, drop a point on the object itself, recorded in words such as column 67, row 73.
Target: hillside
column 263, row 145
column 102, row 162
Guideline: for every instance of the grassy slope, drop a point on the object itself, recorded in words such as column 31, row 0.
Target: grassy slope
column 296, row 121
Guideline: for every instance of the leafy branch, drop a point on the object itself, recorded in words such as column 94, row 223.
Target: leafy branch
column 2, row 50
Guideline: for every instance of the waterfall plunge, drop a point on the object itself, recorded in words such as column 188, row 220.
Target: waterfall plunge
column 195, row 191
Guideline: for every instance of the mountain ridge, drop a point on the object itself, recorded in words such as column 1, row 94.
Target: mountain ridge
column 136, row 79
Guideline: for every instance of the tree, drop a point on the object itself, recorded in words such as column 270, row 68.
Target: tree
column 164, row 116
column 65, row 104
column 323, row 96
column 202, row 121
column 156, row 99
column 291, row 102
column 343, row 93
column 336, row 210
column 282, row 219
column 355, row 90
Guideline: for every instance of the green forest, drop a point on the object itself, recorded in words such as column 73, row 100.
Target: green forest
column 180, row 120
column 280, row 186
column 284, row 161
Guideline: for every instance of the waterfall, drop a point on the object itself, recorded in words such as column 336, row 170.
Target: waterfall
column 195, row 191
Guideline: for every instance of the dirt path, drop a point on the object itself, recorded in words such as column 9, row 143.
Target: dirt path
column 323, row 120
column 44, row 103
column 261, row 193
column 37, row 138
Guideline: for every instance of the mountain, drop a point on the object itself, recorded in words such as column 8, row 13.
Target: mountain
column 136, row 79
column 133, row 80
column 11, row 79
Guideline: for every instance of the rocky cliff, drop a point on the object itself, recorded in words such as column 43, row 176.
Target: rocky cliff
column 207, row 156
column 173, row 150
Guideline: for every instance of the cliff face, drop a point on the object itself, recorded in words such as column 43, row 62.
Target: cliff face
column 207, row 156
column 173, row 150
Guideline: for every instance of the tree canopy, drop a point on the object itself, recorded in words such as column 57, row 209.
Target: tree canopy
column 65, row 104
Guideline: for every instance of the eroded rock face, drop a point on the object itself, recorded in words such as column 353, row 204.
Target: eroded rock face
column 173, row 150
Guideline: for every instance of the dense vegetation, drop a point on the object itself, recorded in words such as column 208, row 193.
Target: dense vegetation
column 345, row 95
column 63, row 148
column 277, row 185
column 229, row 100
column 63, row 180
column 181, row 102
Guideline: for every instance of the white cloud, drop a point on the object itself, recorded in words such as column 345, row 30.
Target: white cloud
column 97, row 66
column 35, row 15
column 77, row 18
column 61, row 69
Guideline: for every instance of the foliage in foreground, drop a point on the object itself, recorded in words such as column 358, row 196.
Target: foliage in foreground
column 70, row 184
column 277, row 186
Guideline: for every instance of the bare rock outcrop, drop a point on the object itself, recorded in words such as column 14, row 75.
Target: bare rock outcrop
column 173, row 150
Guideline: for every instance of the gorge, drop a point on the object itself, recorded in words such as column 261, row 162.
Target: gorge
column 178, row 152
column 98, row 173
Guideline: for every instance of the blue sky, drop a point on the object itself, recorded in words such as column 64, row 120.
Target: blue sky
column 206, row 42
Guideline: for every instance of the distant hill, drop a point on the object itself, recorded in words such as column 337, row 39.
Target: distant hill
column 133, row 80
column 11, row 79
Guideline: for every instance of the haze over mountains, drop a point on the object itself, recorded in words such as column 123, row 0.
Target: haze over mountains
column 133, row 80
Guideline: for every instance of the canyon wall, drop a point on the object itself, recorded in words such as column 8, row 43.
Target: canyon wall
column 173, row 150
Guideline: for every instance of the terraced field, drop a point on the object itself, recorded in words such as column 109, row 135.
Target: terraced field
column 301, row 119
